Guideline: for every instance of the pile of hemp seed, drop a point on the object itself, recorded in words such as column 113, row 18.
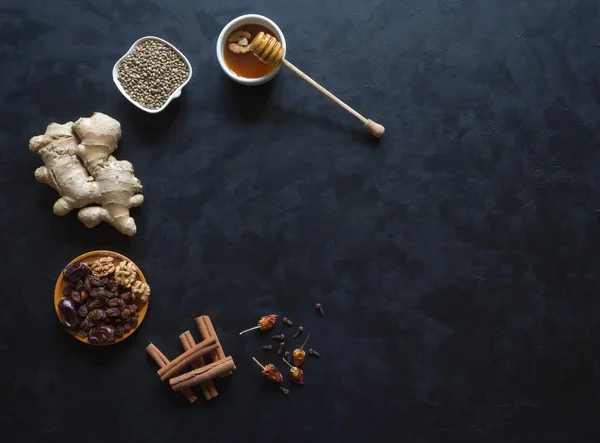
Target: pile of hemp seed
column 151, row 73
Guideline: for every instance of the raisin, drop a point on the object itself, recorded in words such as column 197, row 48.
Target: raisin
column 116, row 303
column 99, row 293
column 113, row 312
column 68, row 312
column 84, row 296
column 127, row 297
column 125, row 314
column 87, row 286
column 76, row 297
column 127, row 327
column 120, row 331
column 101, row 334
column 81, row 333
column 67, row 292
column 96, row 282
column 83, row 311
column 79, row 285
column 117, row 320
column 75, row 271
column 96, row 314
column 95, row 303
column 133, row 308
column 86, row 324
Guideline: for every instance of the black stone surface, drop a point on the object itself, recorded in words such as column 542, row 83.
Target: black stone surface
column 457, row 259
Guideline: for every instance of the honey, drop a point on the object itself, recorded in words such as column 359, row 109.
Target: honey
column 247, row 65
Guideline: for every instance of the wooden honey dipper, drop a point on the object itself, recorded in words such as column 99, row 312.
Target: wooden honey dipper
column 269, row 51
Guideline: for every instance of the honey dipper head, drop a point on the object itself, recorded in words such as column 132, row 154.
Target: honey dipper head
column 267, row 49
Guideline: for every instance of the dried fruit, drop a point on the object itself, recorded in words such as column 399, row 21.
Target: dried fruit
column 95, row 303
column 68, row 312
column 83, row 296
column 76, row 297
column 127, row 297
column 101, row 334
column 125, row 313
column 113, row 312
column 264, row 324
column 103, row 267
column 98, row 293
column 96, row 315
column 126, row 273
column 79, row 285
column 116, row 303
column 83, row 311
column 75, row 271
column 270, row 372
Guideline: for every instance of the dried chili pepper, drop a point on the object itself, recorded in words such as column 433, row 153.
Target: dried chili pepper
column 264, row 324
column 270, row 372
column 296, row 374
column 299, row 354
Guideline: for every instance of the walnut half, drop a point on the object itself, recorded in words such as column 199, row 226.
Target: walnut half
column 239, row 42
column 103, row 266
column 126, row 273
column 141, row 292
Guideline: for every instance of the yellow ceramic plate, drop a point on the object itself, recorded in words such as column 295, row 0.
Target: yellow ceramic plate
column 89, row 258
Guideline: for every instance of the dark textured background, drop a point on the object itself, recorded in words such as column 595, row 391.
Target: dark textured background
column 457, row 259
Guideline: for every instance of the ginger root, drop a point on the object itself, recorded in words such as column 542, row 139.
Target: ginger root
column 79, row 165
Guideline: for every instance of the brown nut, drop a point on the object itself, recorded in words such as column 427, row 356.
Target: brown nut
column 239, row 42
column 103, row 267
column 141, row 292
column 126, row 273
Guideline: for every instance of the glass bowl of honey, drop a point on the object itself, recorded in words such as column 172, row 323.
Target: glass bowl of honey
column 243, row 66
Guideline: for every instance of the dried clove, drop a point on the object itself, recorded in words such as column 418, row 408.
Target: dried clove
column 311, row 351
column 284, row 390
column 320, row 308
column 299, row 331
column 288, row 322
column 281, row 346
column 279, row 337
column 267, row 347
column 287, row 356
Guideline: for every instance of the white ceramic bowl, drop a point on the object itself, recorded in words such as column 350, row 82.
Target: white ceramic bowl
column 175, row 94
column 236, row 23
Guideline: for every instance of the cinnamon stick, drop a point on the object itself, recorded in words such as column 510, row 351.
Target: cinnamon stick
column 200, row 375
column 202, row 348
column 208, row 387
column 207, row 330
column 161, row 360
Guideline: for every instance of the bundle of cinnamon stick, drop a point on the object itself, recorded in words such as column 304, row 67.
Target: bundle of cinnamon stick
column 202, row 373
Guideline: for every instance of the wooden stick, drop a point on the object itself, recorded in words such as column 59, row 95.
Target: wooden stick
column 161, row 360
column 374, row 128
column 207, row 330
column 208, row 372
column 186, row 358
column 208, row 387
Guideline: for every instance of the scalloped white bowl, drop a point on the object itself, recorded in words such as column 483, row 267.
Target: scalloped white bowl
column 175, row 94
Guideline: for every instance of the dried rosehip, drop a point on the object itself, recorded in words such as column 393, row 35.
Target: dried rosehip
column 296, row 374
column 75, row 271
column 264, row 324
column 101, row 334
column 83, row 311
column 271, row 373
column 96, row 315
column 116, row 303
column 68, row 312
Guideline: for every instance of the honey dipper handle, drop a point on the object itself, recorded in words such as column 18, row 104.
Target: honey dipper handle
column 375, row 129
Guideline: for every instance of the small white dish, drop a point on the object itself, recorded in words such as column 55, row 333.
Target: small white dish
column 175, row 94
column 248, row 19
